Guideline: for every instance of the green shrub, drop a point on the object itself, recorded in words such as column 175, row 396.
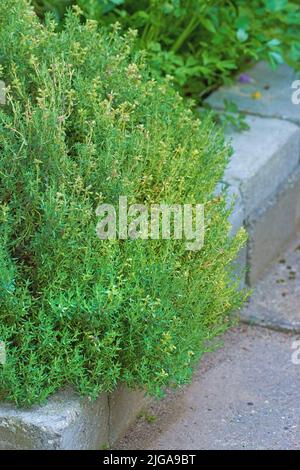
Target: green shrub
column 85, row 123
column 203, row 43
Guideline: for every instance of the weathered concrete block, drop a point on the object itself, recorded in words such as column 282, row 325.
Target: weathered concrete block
column 264, row 156
column 65, row 422
column 276, row 92
column 271, row 227
column 124, row 405
column 236, row 218
column 237, row 215
column 234, row 198
column 240, row 267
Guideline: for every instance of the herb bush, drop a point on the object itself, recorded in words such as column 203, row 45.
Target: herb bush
column 203, row 43
column 85, row 123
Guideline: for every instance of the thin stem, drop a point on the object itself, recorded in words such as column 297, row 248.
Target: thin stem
column 185, row 34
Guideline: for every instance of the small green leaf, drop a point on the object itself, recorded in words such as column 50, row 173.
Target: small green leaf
column 274, row 43
column 276, row 5
column 208, row 25
column 242, row 35
column 117, row 2
column 242, row 22
column 276, row 57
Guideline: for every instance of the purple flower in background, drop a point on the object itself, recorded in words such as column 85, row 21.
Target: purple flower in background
column 245, row 78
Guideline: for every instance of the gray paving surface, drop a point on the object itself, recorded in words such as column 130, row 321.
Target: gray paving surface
column 275, row 302
column 246, row 395
column 275, row 93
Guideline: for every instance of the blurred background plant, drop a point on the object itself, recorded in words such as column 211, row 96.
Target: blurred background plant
column 202, row 44
column 57, row 7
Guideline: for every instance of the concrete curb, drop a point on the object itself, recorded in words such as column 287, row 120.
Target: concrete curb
column 271, row 320
column 68, row 422
column 264, row 171
column 272, row 226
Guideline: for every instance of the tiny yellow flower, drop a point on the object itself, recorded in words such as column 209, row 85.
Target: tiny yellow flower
column 256, row 95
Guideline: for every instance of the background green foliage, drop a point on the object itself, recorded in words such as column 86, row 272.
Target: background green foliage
column 202, row 43
column 85, row 123
column 57, row 7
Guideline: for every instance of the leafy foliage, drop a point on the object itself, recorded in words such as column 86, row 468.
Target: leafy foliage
column 57, row 7
column 85, row 123
column 203, row 43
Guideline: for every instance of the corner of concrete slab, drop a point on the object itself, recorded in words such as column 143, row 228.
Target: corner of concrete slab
column 124, row 406
column 64, row 422
column 68, row 422
column 264, row 157
column 272, row 227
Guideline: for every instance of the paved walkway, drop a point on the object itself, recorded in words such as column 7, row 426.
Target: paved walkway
column 246, row 394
